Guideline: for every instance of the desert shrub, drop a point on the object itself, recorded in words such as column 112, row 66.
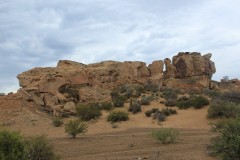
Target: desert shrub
column 116, row 116
column 231, row 97
column 159, row 116
column 166, row 135
column 139, row 88
column 169, row 93
column 226, row 143
column 119, row 101
column 88, row 112
column 221, row 108
column 2, row 94
column 114, row 94
column 183, row 104
column 148, row 113
column 106, row 105
column 39, row 148
column 128, row 93
column 168, row 111
column 57, row 122
column 123, row 88
column 212, row 93
column 150, row 86
column 75, row 127
column 146, row 100
column 195, row 101
column 12, row 146
column 170, row 102
column 172, row 111
column 135, row 107
column 199, row 101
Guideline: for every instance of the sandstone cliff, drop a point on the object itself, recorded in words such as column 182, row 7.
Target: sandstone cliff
column 76, row 82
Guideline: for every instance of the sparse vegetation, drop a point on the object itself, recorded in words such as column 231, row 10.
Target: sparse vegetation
column 168, row 111
column 146, row 100
column 2, row 94
column 75, row 127
column 195, row 101
column 106, row 106
column 12, row 146
column 226, row 143
column 15, row 147
column 150, row 86
column 116, row 116
column 148, row 113
column 114, row 94
column 134, row 106
column 170, row 102
column 166, row 135
column 88, row 112
column 199, row 101
column 57, row 122
column 231, row 97
column 39, row 148
column 119, row 101
column 160, row 115
column 212, row 93
column 169, row 93
column 225, row 109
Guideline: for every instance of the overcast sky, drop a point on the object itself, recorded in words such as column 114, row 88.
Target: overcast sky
column 38, row 33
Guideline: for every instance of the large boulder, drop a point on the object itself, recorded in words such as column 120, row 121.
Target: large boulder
column 156, row 67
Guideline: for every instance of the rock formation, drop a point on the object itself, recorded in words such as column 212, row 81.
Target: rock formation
column 58, row 88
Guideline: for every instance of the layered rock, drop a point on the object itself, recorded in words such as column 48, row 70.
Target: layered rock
column 71, row 82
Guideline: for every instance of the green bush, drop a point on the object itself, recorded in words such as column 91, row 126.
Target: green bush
column 170, row 102
column 169, row 93
column 166, row 135
column 88, row 112
column 129, row 93
column 220, row 108
column 196, row 101
column 199, row 101
column 168, row 111
column 57, row 122
column 150, row 86
column 116, row 116
column 159, row 116
column 123, row 88
column 146, row 100
column 148, row 113
column 75, row 127
column 152, row 111
column 15, row 147
column 39, row 148
column 212, row 93
column 12, row 146
column 231, row 97
column 106, row 106
column 114, row 94
column 119, row 101
column 183, row 104
column 227, row 143
column 134, row 107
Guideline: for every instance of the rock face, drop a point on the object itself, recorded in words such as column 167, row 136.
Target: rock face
column 57, row 88
column 193, row 64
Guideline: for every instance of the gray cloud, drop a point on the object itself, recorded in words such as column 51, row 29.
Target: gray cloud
column 39, row 33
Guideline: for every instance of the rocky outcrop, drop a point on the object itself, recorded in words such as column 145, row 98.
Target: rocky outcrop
column 57, row 88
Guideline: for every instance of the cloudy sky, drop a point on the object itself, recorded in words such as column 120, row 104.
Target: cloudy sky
column 38, row 33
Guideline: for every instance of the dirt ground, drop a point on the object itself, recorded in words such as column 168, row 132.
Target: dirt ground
column 130, row 140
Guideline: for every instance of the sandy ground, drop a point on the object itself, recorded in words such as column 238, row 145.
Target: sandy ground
column 128, row 141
